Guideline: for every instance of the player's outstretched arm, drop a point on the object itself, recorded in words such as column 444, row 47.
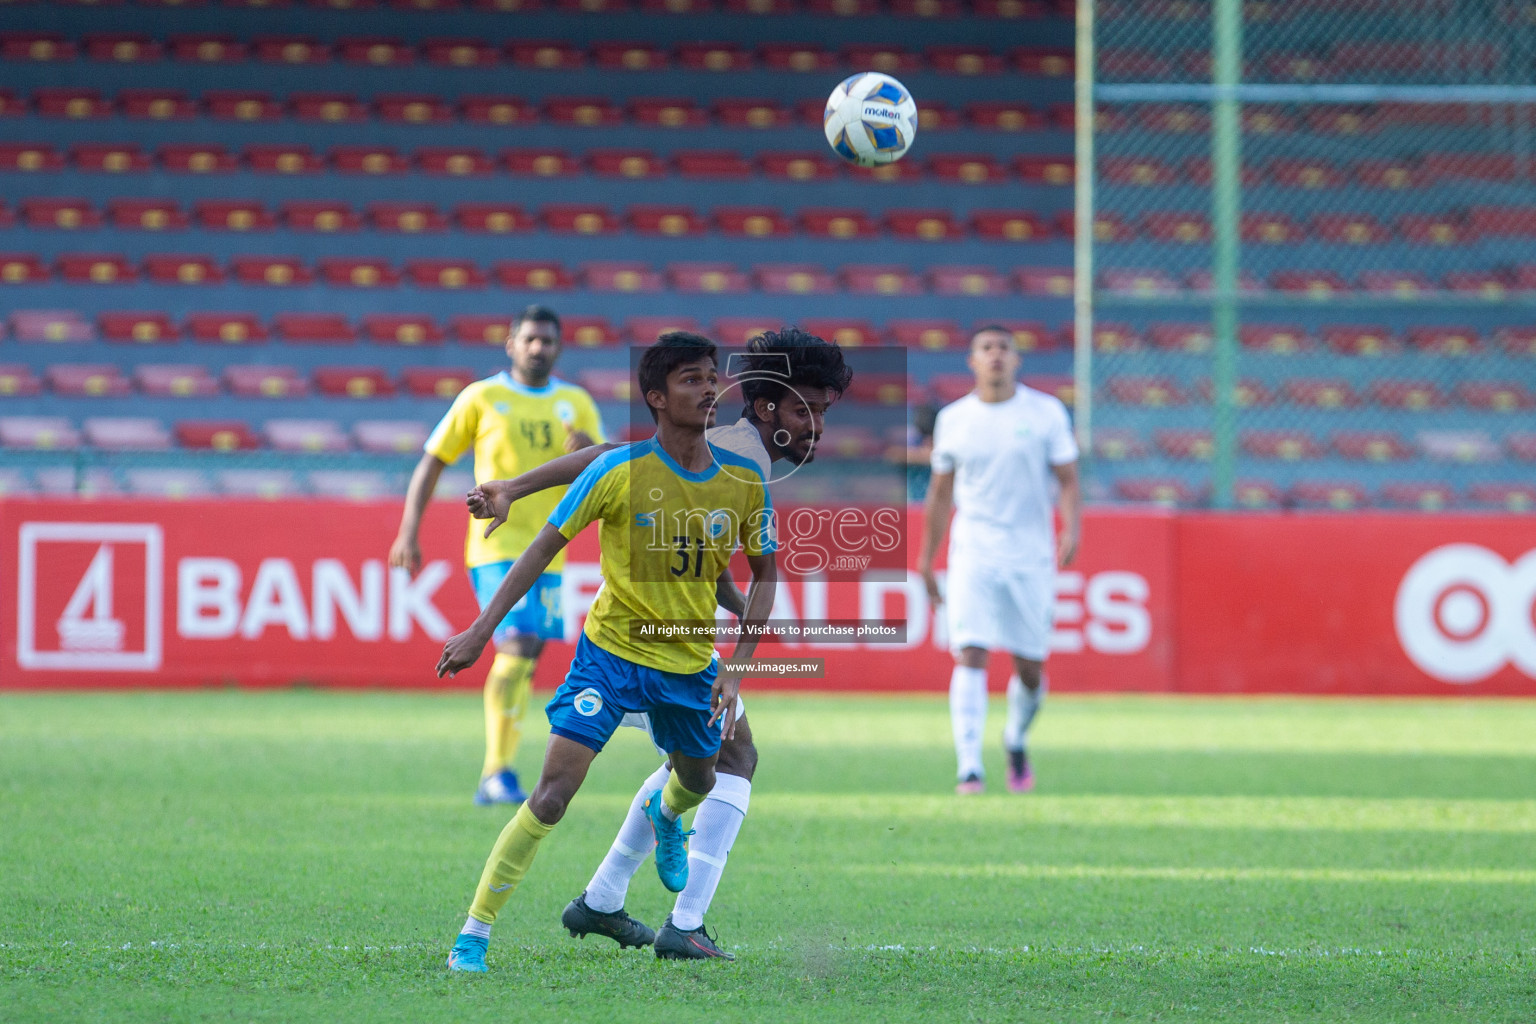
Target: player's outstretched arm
column 493, row 499
column 729, row 596
column 759, row 604
column 1069, row 503
column 937, row 506
column 462, row 649
column 405, row 552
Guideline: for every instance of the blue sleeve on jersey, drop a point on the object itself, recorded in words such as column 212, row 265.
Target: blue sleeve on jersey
column 580, row 490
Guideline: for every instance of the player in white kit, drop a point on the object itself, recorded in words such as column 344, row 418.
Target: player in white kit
column 1003, row 456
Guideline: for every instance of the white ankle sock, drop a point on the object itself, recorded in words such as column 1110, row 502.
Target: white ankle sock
column 474, row 927
column 634, row 843
column 715, row 827
column 968, row 716
column 1022, row 708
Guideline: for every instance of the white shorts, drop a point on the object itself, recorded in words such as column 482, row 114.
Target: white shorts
column 1000, row 609
column 641, row 720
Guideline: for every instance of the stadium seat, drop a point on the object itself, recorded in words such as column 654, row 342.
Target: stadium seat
column 1306, row 174
column 225, row 328
column 497, row 110
column 1464, row 446
column 18, row 381
column 667, row 112
column 196, row 158
column 264, row 159
column 1445, row 341
column 976, row 281
column 1495, row 396
column 306, row 435
column 443, row 382
column 750, row 221
column 1517, row 341
column 927, row 334
column 1285, row 445
column 951, row 387
column 156, row 105
column 967, row 168
column 41, row 433
column 356, row 273
column 1246, row 393
column 714, row 56
column 1181, row 337
column 1487, row 167
column 1009, row 225
column 1005, row 116
column 1433, row 229
column 218, row 435
column 625, row 163
column 140, row 327
column 1410, row 395
column 1119, row 445
column 797, row 57
column 240, row 105
column 793, row 279
column 277, row 271
column 1107, row 227
column 412, row 108
column 265, row 484
column 353, row 381
column 233, row 215
column 1521, row 445
column 799, row 165
column 456, row 162
column 1278, row 339
column 900, row 171
column 1374, row 340
column 15, row 484
column 372, row 160
column 608, row 385
column 751, row 113
column 851, row 441
column 1185, row 445
column 167, row 484
column 1371, row 446
column 313, row 329
column 389, row 437
column 706, row 277
column 1426, row 497
column 1257, row 494
column 50, row 325
column 69, row 214
column 182, row 268
column 89, row 380
column 126, row 433
column 667, row 221
column 290, row 50
column 73, row 103
column 1349, row 229
column 479, row 330
column 1507, row 496
column 1149, row 391
column 1402, row 284
column 1487, row 284
column 583, row 111
column 406, row 218
column 642, row 330
column 1339, row 496
column 1320, row 392
column 451, row 274
column 1184, row 227
column 31, row 157
column 95, row 268
column 1139, row 282
column 890, row 60
column 401, row 329
column 1061, row 385
column 579, row 219
column 1109, row 337
column 1316, row 283
column 844, row 332
column 1028, row 335
column 1048, row 281
column 175, row 380
column 621, row 276
column 206, row 49
column 928, row 225
column 635, row 55
column 836, row 223
column 1271, row 229
column 146, row 214
column 122, row 47
column 1156, row 490
column 1133, row 171
column 880, row 279
column 1046, row 170
column 313, row 215
column 349, row 485
column 736, row 331
column 378, row 51
column 545, row 54
column 588, row 331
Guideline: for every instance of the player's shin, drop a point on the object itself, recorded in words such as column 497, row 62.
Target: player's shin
column 968, row 717
column 508, row 863
column 634, row 843
column 506, row 694
column 715, row 828
column 677, row 799
column 1023, row 706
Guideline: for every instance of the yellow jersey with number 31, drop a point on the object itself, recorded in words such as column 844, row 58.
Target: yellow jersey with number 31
column 513, row 428
column 666, row 535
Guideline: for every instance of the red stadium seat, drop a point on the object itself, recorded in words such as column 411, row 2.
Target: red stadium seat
column 630, row 56
column 1349, row 229
column 389, row 436
column 1190, row 337
column 122, row 47
column 1337, row 495
column 406, row 218
column 206, row 49
column 1320, row 392
column 533, row 275
column 401, row 329
column 18, row 382
column 290, row 50
column 798, row 165
column 330, row 107
column 194, row 158
column 21, row 156
column 1133, row 171
column 1052, row 281
column 349, row 484
column 377, row 51
column 460, row 52
column 1403, row 284
column 1521, row 446
column 109, row 158
column 479, row 330
column 880, row 279
column 356, row 273
column 1152, row 392
column 353, row 381
column 40, row 433
column 1138, row 282
column 156, row 104
column 126, row 433
column 225, row 328
column 233, row 215
column 1434, row 229
column 1318, row 283
column 264, row 484
column 241, row 105
column 1246, row 393
column 88, row 380
column 444, row 274
column 1502, row 221
column 1371, row 446
column 1045, row 170
column 216, row 435
column 579, row 219
column 1493, row 167
column 72, row 103
column 1488, row 285
column 749, row 113
column 1375, row 340
column 1284, row 445
column 265, row 381
column 977, row 281
column 900, row 171
column 283, row 160
column 1330, row 120
column 499, row 110
column 752, row 221
column 1177, row 118
column 667, row 112
column 545, row 54
column 454, row 162
column 711, row 163
column 1028, row 335
column 95, row 268
column 793, row 279
column 927, row 225
column 736, row 331
column 1271, row 229
column 278, row 271
column 437, row 381
column 376, row 160
column 313, row 215
column 540, row 163
column 492, row 218
column 175, row 380
column 951, row 387
column 625, row 163
column 21, row 268
column 588, row 331
column 1107, row 227
column 140, row 327
column 927, row 334
column 1109, row 337
column 1280, row 339
column 1010, row 225
column 844, row 332
column 642, row 330
column 1186, row 228
column 1445, row 341
column 1257, row 494
column 967, row 168
column 1495, row 396
column 1118, row 445
column 1307, row 174
column 1426, row 497
column 1006, row 116
column 69, row 214
column 707, row 277
column 1389, row 174
column 837, row 223
column 1517, row 341
column 890, row 60
column 1510, row 497
column 1061, row 385
column 313, row 328
column 1411, row 395
column 621, row 276
column 1165, row 491
column 798, row 57
column 585, row 111
column 721, row 56
column 1185, row 445
column 668, row 221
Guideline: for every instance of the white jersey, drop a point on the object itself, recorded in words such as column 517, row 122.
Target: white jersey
column 1001, row 454
column 742, row 438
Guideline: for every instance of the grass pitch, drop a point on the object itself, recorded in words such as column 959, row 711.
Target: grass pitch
column 308, row 856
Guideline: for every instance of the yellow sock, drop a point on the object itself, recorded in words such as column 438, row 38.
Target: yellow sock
column 506, row 699
column 508, row 863
column 678, row 797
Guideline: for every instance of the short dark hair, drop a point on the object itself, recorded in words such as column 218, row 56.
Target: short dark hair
column 539, row 315
column 813, row 363
column 671, row 350
column 989, row 328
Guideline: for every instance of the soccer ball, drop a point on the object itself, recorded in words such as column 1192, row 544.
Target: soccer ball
column 870, row 119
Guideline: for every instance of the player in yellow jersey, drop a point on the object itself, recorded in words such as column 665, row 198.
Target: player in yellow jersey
column 514, row 422
column 673, row 510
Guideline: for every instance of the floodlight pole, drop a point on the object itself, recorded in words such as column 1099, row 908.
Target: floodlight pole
column 1226, row 200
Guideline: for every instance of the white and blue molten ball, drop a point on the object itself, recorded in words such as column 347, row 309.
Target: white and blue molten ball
column 870, row 119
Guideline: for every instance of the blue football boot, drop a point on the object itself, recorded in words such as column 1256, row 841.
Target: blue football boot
column 671, row 845
column 501, row 788
column 468, row 954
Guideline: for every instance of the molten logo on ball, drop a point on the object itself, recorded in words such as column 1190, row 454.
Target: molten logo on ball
column 870, row 119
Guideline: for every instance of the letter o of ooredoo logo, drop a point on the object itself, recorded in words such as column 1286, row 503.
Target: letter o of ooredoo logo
column 1462, row 613
column 588, row 702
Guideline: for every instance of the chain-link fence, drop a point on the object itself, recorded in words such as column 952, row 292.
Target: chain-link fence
column 1314, row 279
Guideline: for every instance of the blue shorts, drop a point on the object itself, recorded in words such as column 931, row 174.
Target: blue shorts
column 601, row 688
column 537, row 614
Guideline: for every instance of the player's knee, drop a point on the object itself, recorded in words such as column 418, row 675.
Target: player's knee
column 696, row 778
column 548, row 804
column 972, row 657
column 1029, row 673
column 528, row 646
column 737, row 757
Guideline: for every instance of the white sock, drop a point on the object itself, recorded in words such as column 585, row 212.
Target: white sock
column 474, row 927
column 715, row 827
column 968, row 716
column 668, row 812
column 1022, row 708
column 634, row 843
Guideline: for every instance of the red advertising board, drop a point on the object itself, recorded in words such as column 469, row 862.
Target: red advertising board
column 126, row 593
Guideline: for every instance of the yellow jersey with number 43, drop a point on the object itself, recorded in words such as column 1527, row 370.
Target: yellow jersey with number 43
column 666, row 535
column 513, row 428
